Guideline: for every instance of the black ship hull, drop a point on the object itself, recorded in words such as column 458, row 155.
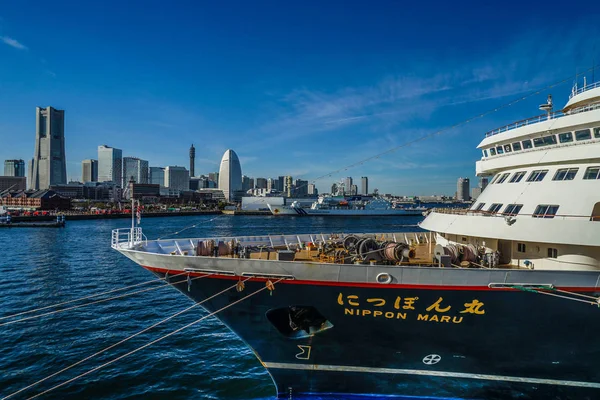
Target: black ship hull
column 410, row 340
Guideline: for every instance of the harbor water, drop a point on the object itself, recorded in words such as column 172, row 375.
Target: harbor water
column 42, row 267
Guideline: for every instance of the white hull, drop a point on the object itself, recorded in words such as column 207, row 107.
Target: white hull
column 288, row 210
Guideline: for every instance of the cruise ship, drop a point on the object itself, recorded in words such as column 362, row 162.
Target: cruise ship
column 497, row 301
column 339, row 206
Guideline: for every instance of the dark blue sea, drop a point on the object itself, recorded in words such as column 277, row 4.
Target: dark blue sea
column 42, row 267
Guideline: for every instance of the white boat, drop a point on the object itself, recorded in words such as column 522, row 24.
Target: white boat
column 337, row 206
column 498, row 301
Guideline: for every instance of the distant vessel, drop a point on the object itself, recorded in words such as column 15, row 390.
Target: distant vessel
column 497, row 301
column 340, row 206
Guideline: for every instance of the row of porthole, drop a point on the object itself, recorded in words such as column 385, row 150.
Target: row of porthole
column 562, row 174
column 581, row 135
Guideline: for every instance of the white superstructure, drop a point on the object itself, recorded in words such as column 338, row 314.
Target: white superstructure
column 541, row 210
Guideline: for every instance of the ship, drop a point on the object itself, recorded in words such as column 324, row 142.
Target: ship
column 500, row 300
column 339, row 206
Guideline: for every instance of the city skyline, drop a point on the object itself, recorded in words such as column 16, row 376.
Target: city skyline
column 280, row 96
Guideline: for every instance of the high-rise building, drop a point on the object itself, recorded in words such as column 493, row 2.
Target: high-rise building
column 246, row 183
column 334, row 189
column 348, row 185
column 192, row 161
column 14, row 168
column 288, row 186
column 156, row 176
column 89, row 171
column 49, row 165
column 136, row 168
column 462, row 189
column 110, row 164
column 353, row 190
column 12, row 183
column 483, row 182
column 312, row 189
column 214, row 177
column 300, row 188
column 230, row 175
column 364, row 185
column 261, row 183
column 177, row 178
column 281, row 184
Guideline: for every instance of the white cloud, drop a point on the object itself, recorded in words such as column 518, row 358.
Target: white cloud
column 13, row 43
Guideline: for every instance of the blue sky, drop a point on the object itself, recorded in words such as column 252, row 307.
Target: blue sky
column 295, row 88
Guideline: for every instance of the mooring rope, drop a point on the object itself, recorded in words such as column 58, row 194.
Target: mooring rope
column 87, row 297
column 156, row 340
column 123, row 341
column 99, row 301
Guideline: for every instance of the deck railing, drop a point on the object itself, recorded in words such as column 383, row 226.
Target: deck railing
column 466, row 211
column 127, row 237
column 584, row 89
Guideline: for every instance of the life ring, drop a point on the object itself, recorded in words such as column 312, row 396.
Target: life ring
column 384, row 278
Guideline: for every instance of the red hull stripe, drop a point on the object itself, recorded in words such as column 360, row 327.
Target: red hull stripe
column 365, row 284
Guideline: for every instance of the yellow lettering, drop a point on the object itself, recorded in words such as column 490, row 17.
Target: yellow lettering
column 366, row 312
column 408, row 303
column 401, row 315
column 434, row 318
column 351, row 299
column 377, row 313
column 444, row 318
column 436, row 306
column 389, row 314
column 422, row 317
column 457, row 320
column 348, row 311
column 473, row 307
column 340, row 299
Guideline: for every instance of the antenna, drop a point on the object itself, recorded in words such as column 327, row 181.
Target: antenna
column 547, row 106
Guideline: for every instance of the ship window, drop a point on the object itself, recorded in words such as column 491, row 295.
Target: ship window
column 592, row 173
column 544, row 141
column 507, row 148
column 513, row 209
column 545, row 211
column 494, row 208
column 552, row 253
column 485, row 153
column 492, row 152
column 583, row 134
column 499, row 150
column 503, row 178
column 565, row 137
column 597, row 133
column 537, row 175
column 596, row 213
column 516, row 146
column 521, row 247
column 479, row 206
column 527, row 144
column 516, row 178
column 565, row 174
column 495, row 178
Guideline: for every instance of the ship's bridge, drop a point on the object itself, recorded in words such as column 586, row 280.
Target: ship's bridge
column 569, row 135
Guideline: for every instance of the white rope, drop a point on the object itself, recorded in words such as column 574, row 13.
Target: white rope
column 150, row 343
column 121, row 342
column 86, row 297
column 97, row 301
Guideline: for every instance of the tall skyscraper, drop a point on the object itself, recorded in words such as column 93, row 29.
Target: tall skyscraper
column 348, row 185
column 462, row 189
column 483, row 182
column 364, row 185
column 89, row 171
column 230, row 175
column 14, row 168
column 110, row 164
column 246, row 183
column 281, row 183
column 261, row 183
column 49, row 165
column 156, row 176
column 192, row 161
column 136, row 168
column 177, row 178
column 312, row 189
column 288, row 184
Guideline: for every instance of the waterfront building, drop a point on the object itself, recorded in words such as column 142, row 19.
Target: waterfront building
column 156, row 176
column 177, row 178
column 301, row 188
column 35, row 199
column 72, row 190
column 12, row 183
column 213, row 176
column 353, row 190
column 89, row 170
column 230, row 175
column 49, row 166
column 136, row 168
column 144, row 191
column 483, row 182
column 462, row 189
column 475, row 192
column 347, row 185
column 312, row 189
column 281, row 183
column 14, row 168
column 364, row 185
column 334, row 189
column 192, row 161
column 110, row 164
